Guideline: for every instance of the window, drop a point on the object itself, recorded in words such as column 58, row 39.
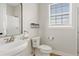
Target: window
column 59, row 14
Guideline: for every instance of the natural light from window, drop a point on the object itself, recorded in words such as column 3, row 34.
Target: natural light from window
column 60, row 15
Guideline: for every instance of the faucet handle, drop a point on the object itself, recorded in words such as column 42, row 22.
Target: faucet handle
column 12, row 37
column 7, row 40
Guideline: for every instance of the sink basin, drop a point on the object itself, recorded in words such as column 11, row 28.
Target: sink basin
column 3, row 41
column 13, row 48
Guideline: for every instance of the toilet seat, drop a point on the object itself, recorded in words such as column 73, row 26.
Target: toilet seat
column 45, row 48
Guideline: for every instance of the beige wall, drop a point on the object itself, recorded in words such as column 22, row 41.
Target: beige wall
column 78, row 29
column 64, row 38
column 30, row 14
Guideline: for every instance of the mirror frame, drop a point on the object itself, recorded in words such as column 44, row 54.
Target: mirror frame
column 21, row 24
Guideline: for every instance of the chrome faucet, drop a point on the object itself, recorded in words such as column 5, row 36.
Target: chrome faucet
column 11, row 39
column 7, row 40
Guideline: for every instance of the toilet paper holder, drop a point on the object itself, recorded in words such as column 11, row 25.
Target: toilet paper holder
column 51, row 38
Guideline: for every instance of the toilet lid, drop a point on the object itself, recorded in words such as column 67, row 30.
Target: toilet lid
column 45, row 47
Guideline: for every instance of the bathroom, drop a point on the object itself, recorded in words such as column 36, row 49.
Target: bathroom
column 21, row 23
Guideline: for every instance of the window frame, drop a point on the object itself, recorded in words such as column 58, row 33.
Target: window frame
column 70, row 17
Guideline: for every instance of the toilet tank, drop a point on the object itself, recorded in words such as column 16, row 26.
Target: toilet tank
column 35, row 42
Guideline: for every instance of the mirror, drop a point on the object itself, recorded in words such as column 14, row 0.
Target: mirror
column 10, row 18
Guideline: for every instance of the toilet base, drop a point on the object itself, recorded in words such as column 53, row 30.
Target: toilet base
column 53, row 53
column 39, row 53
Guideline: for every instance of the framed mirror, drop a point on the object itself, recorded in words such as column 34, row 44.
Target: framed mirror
column 10, row 19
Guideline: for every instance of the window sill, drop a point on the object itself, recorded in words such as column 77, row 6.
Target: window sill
column 61, row 27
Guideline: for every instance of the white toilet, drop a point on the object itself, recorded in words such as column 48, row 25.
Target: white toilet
column 43, row 48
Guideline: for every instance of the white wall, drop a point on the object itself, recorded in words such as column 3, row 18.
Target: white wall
column 30, row 14
column 64, row 38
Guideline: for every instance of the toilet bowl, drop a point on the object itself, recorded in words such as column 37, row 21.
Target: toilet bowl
column 43, row 48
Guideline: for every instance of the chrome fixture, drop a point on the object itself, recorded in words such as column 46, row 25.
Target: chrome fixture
column 11, row 39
